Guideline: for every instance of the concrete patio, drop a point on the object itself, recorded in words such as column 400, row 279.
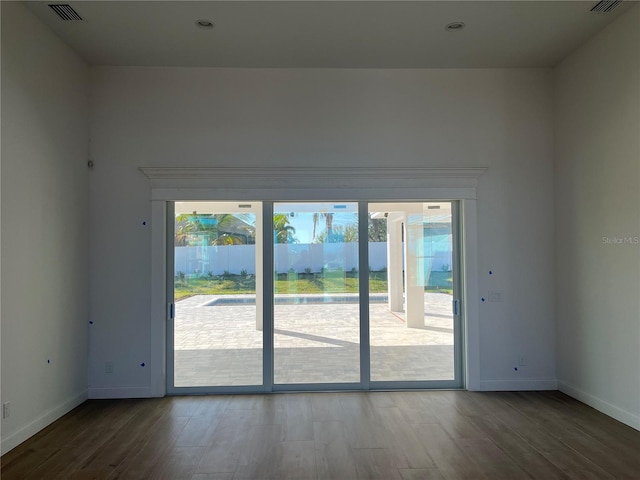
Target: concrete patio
column 313, row 343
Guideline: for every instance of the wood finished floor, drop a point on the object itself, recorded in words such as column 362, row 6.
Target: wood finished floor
column 377, row 435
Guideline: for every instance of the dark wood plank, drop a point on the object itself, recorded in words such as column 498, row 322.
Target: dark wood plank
column 450, row 460
column 297, row 421
column 334, row 459
column 401, row 440
column 491, row 460
column 326, row 407
column 413, row 408
column 621, row 438
column 125, row 440
column 298, row 461
column 572, row 463
column 42, row 451
column 212, row 476
column 76, row 449
column 523, row 454
column 260, row 456
column 159, row 439
column 362, row 427
column 613, row 458
column 198, row 432
column 420, row 474
column 381, row 435
column 375, row 463
column 230, row 437
column 178, row 463
column 269, row 410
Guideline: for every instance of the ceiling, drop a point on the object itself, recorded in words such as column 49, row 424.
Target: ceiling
column 342, row 34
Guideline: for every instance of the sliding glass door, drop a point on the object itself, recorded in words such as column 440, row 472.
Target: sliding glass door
column 216, row 335
column 313, row 295
column 413, row 292
column 316, row 299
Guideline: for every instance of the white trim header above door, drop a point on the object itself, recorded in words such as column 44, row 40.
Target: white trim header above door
column 311, row 183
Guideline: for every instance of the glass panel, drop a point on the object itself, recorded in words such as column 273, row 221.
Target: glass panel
column 316, row 313
column 218, row 280
column 411, row 287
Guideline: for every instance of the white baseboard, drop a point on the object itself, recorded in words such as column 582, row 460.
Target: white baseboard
column 27, row 431
column 620, row 414
column 519, row 385
column 119, row 392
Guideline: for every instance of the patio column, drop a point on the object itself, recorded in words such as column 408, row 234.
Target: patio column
column 259, row 270
column 414, row 270
column 394, row 262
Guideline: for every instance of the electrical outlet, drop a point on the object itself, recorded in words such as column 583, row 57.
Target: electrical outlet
column 495, row 296
column 522, row 361
column 5, row 410
column 108, row 367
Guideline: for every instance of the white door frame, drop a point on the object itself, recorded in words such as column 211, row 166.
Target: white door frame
column 312, row 184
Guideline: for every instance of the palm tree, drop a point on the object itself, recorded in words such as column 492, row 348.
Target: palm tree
column 214, row 229
column 328, row 219
column 235, row 229
column 187, row 224
column 347, row 234
column 284, row 232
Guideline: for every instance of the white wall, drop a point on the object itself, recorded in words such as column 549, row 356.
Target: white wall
column 44, row 225
column 501, row 119
column 598, row 198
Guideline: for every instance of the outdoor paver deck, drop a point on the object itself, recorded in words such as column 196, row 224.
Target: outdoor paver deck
column 313, row 343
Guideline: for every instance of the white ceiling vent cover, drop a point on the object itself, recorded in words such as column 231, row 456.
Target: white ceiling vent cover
column 66, row 12
column 605, row 6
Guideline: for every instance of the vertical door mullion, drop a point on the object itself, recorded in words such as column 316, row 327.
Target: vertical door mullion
column 267, row 292
column 457, row 291
column 170, row 294
column 363, row 286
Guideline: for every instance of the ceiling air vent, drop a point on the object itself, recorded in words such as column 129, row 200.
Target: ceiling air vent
column 66, row 12
column 605, row 6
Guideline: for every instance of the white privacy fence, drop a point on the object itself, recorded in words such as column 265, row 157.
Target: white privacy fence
column 300, row 257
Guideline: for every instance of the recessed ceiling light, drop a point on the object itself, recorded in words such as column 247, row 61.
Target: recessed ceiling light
column 204, row 24
column 454, row 26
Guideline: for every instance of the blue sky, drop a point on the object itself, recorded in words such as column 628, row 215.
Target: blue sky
column 301, row 216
